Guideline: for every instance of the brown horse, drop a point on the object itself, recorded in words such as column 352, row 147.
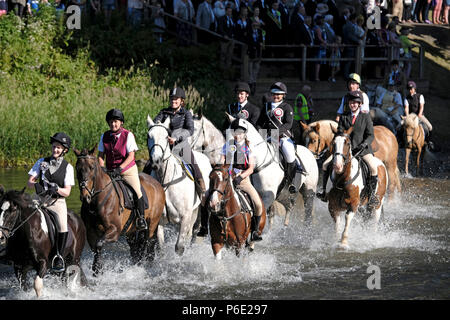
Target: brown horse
column 414, row 140
column 229, row 224
column 346, row 193
column 319, row 136
column 25, row 238
column 104, row 215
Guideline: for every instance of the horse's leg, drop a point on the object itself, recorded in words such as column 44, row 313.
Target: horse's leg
column 407, row 153
column 38, row 281
column 348, row 218
column 21, row 275
column 337, row 223
column 217, row 249
column 418, row 170
column 185, row 229
column 160, row 235
column 308, row 200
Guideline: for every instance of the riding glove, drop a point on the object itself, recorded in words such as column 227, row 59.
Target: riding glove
column 53, row 190
column 117, row 171
column 237, row 181
column 359, row 148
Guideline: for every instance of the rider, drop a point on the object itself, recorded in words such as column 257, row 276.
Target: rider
column 414, row 103
column 242, row 163
column 278, row 114
column 182, row 127
column 361, row 138
column 353, row 84
column 118, row 146
column 243, row 108
column 56, row 179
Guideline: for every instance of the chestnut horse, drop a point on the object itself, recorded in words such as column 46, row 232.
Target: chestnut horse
column 24, row 238
column 414, row 140
column 229, row 224
column 318, row 137
column 346, row 193
column 104, row 216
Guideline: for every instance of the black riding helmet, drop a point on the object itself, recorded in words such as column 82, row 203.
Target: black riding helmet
column 355, row 96
column 242, row 86
column 114, row 114
column 279, row 88
column 177, row 93
column 61, row 138
column 239, row 124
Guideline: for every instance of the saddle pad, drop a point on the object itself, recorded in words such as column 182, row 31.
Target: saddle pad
column 129, row 195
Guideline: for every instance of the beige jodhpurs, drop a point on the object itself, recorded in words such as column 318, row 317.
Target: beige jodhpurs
column 60, row 207
column 247, row 186
column 131, row 176
column 427, row 123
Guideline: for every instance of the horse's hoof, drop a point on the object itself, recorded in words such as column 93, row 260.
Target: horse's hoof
column 343, row 246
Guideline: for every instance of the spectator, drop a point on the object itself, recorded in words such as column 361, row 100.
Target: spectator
column 395, row 77
column 219, row 8
column 243, row 25
column 406, row 48
column 3, row 7
column 389, row 109
column 352, row 39
column 184, row 10
column 205, row 19
column 320, row 38
column 158, row 20
column 256, row 17
column 361, row 32
column 437, row 12
column 397, row 9
column 226, row 27
column 18, row 6
column 95, row 9
column 446, row 11
column 255, row 43
column 303, row 111
column 339, row 24
column 328, row 25
column 310, row 7
column 32, row 6
column 134, row 12
column 335, row 64
column 297, row 26
column 394, row 40
column 274, row 27
column 108, row 7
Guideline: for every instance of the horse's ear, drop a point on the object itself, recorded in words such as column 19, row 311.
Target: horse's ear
column 200, row 112
column 167, row 123
column 333, row 129
column 403, row 117
column 23, row 190
column 230, row 117
column 2, row 190
column 92, row 151
column 349, row 131
column 150, row 122
column 76, row 151
column 304, row 125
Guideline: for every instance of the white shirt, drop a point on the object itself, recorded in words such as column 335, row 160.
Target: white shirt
column 364, row 106
column 69, row 179
column 131, row 143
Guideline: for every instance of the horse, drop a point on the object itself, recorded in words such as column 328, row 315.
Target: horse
column 104, row 214
column 268, row 176
column 229, row 224
column 414, row 140
column 25, row 238
column 347, row 185
column 181, row 198
column 206, row 138
column 319, row 136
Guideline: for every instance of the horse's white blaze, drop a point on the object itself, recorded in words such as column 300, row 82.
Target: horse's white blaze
column 4, row 208
column 43, row 222
column 214, row 202
column 219, row 255
column 38, row 285
column 339, row 158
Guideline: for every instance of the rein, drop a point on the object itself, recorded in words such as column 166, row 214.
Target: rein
column 14, row 229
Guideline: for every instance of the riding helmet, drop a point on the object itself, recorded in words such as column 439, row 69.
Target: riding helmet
column 239, row 124
column 279, row 88
column 242, row 86
column 61, row 138
column 177, row 93
column 355, row 96
column 411, row 84
column 354, row 77
column 115, row 114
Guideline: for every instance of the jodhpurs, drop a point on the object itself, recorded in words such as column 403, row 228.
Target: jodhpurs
column 60, row 207
column 131, row 176
column 247, row 186
column 288, row 149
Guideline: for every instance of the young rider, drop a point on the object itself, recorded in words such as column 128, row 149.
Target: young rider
column 53, row 176
column 118, row 147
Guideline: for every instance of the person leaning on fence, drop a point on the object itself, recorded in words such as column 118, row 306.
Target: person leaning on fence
column 353, row 84
column 227, row 28
column 255, row 42
column 415, row 103
column 352, row 38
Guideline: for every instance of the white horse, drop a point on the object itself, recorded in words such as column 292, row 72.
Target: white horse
column 268, row 175
column 206, row 138
column 181, row 199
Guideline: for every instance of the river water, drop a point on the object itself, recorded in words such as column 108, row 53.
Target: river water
column 411, row 251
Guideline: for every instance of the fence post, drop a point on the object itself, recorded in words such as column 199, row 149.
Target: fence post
column 358, row 59
column 304, row 63
column 421, row 55
column 244, row 64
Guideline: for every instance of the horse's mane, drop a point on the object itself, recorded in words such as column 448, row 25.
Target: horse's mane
column 411, row 120
column 324, row 128
column 20, row 198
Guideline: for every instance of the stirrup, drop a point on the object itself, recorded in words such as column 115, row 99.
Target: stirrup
column 58, row 269
column 292, row 189
column 322, row 196
column 256, row 236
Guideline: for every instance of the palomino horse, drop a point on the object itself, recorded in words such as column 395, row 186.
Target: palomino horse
column 229, row 224
column 268, row 175
column 181, row 198
column 207, row 138
column 414, row 140
column 347, row 179
column 319, row 136
column 25, row 238
column 104, row 215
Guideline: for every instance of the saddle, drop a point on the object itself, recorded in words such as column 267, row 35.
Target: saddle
column 129, row 196
column 245, row 201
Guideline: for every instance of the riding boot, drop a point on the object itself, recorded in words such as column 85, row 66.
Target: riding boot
column 323, row 195
column 58, row 264
column 291, row 170
column 430, row 143
column 373, row 198
column 255, row 228
column 141, row 224
column 200, row 188
column 203, row 222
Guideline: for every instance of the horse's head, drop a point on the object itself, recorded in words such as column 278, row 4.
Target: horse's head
column 342, row 150
column 318, row 136
column 11, row 204
column 410, row 123
column 198, row 139
column 219, row 186
column 87, row 168
column 157, row 143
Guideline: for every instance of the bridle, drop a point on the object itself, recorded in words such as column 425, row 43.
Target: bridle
column 12, row 230
column 316, row 152
column 346, row 157
column 83, row 183
column 222, row 193
column 158, row 145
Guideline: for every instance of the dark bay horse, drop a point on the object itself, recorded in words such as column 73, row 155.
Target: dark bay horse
column 25, row 240
column 103, row 213
column 229, row 224
column 319, row 136
column 414, row 140
column 346, row 193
